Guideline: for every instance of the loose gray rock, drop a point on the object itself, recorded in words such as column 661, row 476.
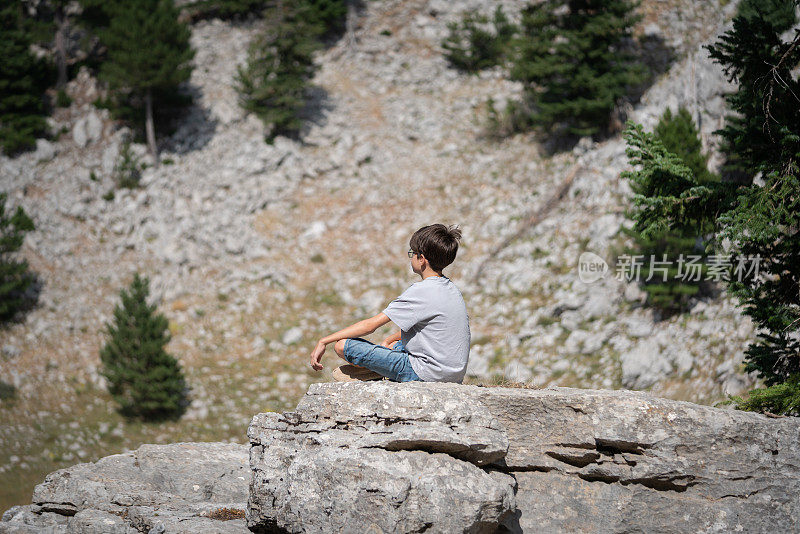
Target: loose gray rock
column 291, row 336
column 10, row 351
column 45, row 151
column 644, row 365
column 79, row 134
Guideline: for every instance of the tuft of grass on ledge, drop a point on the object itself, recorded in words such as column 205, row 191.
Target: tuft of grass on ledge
column 498, row 381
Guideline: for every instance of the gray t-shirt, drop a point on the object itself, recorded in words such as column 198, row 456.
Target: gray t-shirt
column 434, row 328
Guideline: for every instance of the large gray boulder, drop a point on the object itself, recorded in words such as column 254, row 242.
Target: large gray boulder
column 384, row 459
column 158, row 488
column 364, row 456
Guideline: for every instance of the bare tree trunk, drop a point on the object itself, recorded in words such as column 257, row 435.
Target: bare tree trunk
column 61, row 45
column 150, row 128
column 350, row 25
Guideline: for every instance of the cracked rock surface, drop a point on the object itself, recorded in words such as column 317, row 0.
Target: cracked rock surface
column 155, row 489
column 386, row 458
column 364, row 454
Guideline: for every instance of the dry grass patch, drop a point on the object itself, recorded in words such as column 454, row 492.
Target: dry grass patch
column 225, row 514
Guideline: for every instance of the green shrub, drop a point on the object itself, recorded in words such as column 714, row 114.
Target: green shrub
column 128, row 168
column 7, row 391
column 783, row 398
column 63, row 100
column 329, row 15
column 224, row 9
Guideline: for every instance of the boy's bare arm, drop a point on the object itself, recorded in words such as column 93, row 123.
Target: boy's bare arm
column 361, row 328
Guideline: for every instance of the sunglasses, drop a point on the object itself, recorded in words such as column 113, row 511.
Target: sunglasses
column 411, row 253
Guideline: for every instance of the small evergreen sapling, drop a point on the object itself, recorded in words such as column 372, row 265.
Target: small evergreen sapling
column 128, row 167
column 476, row 44
column 680, row 136
column 14, row 276
column 143, row 378
column 280, row 63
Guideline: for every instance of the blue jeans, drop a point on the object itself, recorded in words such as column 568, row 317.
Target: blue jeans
column 392, row 362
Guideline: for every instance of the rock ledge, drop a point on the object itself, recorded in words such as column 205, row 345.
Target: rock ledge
column 414, row 457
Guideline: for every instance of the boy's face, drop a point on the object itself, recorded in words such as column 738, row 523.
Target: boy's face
column 417, row 261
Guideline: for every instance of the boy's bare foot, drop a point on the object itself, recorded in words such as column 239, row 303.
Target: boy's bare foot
column 354, row 373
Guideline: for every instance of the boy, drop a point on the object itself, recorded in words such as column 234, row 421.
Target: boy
column 433, row 342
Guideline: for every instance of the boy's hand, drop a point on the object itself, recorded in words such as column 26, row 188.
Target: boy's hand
column 316, row 356
column 388, row 342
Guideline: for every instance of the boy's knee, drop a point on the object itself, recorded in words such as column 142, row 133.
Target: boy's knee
column 339, row 347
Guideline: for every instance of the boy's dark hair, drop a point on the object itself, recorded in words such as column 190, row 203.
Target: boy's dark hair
column 438, row 243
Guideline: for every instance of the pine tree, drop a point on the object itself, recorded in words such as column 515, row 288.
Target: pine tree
column 576, row 65
column 14, row 276
column 148, row 55
column 279, row 66
column 780, row 13
column 23, row 80
column 765, row 221
column 476, row 44
column 329, row 15
column 143, row 378
column 224, row 9
column 669, row 286
column 680, row 136
column 761, row 218
column 48, row 25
